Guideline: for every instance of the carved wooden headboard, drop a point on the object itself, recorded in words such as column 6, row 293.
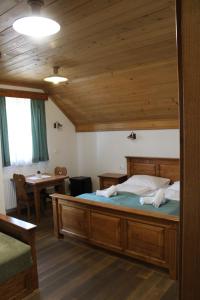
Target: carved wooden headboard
column 161, row 167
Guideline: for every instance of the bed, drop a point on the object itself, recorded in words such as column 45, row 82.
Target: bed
column 147, row 234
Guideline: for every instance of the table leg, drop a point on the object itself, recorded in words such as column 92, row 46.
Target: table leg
column 36, row 192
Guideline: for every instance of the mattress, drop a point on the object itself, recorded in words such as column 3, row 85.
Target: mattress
column 132, row 201
column 15, row 257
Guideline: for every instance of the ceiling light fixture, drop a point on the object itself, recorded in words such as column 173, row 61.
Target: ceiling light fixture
column 35, row 25
column 55, row 78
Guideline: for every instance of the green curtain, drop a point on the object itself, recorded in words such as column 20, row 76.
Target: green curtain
column 4, row 133
column 39, row 136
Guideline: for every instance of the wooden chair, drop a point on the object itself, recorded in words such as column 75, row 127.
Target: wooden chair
column 23, row 197
column 57, row 171
column 60, row 171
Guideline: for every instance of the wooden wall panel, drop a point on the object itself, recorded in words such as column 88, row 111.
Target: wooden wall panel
column 189, row 68
column 119, row 55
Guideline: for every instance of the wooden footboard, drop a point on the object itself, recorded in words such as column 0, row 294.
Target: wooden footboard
column 150, row 237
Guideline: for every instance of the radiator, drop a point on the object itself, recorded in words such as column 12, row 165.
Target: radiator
column 9, row 193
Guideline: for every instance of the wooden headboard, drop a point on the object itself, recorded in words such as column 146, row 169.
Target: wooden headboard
column 161, row 167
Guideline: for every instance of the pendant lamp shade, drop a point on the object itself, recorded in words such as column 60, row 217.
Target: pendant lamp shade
column 55, row 78
column 35, row 25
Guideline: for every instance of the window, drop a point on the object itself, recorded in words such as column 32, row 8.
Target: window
column 19, row 130
column 22, row 131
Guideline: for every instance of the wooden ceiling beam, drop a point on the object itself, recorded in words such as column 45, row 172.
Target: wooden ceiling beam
column 23, row 94
column 130, row 125
column 20, row 83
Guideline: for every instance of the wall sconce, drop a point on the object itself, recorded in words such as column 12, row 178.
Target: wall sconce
column 57, row 125
column 132, row 136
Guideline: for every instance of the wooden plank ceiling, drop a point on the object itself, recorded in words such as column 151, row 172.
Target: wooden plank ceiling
column 119, row 55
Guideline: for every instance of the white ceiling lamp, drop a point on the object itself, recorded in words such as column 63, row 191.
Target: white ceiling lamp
column 35, row 25
column 55, row 78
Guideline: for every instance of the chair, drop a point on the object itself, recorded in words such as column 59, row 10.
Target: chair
column 57, row 171
column 23, row 197
column 60, row 171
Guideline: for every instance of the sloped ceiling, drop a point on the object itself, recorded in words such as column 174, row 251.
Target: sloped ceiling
column 119, row 55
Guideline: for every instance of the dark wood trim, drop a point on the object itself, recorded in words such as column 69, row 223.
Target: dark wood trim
column 131, row 125
column 15, row 224
column 188, row 33
column 23, row 94
column 180, row 86
column 167, row 159
column 23, row 84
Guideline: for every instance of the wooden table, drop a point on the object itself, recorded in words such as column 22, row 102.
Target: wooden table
column 38, row 184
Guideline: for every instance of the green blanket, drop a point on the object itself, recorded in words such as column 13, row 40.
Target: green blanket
column 15, row 257
column 132, row 201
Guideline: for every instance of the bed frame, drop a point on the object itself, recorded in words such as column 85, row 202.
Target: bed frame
column 147, row 236
column 25, row 282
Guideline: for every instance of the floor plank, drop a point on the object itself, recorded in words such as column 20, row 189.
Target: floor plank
column 72, row 270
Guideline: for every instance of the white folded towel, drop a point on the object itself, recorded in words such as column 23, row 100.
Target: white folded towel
column 156, row 201
column 111, row 191
column 146, row 200
column 159, row 198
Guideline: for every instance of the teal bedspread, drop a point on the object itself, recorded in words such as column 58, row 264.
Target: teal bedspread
column 132, row 201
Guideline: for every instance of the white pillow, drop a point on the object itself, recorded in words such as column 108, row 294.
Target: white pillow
column 175, row 186
column 131, row 188
column 173, row 191
column 152, row 182
column 172, row 194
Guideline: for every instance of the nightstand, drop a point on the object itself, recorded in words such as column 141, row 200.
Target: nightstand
column 108, row 179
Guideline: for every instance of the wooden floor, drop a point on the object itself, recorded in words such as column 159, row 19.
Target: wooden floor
column 71, row 270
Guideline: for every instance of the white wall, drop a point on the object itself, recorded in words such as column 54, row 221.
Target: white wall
column 88, row 158
column 62, row 143
column 62, row 146
column 105, row 151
